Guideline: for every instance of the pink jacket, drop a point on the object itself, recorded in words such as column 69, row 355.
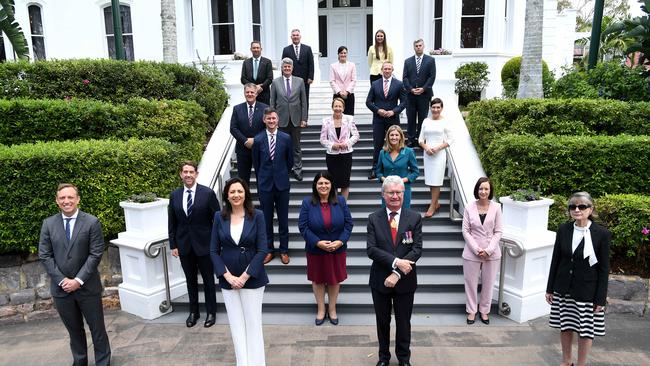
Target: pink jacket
column 345, row 81
column 482, row 236
column 349, row 134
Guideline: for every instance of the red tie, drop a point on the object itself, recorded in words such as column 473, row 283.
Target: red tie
column 393, row 227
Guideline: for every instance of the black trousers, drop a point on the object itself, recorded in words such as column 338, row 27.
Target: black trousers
column 417, row 109
column 193, row 264
column 379, row 129
column 244, row 166
column 73, row 309
column 402, row 304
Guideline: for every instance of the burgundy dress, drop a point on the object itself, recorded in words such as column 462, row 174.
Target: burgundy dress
column 326, row 268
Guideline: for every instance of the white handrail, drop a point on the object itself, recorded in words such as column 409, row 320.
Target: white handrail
column 214, row 168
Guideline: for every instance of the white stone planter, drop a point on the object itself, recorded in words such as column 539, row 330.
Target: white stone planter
column 143, row 281
column 526, row 217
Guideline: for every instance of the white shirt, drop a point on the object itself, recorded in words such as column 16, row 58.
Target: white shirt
column 236, row 230
column 185, row 194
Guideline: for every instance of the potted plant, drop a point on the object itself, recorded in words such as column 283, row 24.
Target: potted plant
column 471, row 80
column 525, row 210
column 145, row 213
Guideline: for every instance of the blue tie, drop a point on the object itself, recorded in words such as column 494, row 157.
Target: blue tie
column 189, row 202
column 255, row 67
column 68, row 234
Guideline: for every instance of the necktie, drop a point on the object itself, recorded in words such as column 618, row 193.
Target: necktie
column 189, row 202
column 418, row 62
column 272, row 146
column 288, row 88
column 68, row 233
column 297, row 52
column 250, row 116
column 393, row 227
column 255, row 67
column 385, row 88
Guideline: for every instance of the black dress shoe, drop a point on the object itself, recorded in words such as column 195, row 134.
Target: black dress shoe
column 485, row 321
column 470, row 321
column 191, row 320
column 372, row 175
column 382, row 363
column 210, row 320
column 334, row 321
column 319, row 322
column 404, row 363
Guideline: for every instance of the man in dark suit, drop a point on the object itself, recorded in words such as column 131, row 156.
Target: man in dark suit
column 288, row 98
column 303, row 60
column 419, row 75
column 258, row 70
column 386, row 99
column 394, row 237
column 70, row 247
column 273, row 159
column 190, row 217
column 245, row 123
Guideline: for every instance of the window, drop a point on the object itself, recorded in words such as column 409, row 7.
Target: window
column 471, row 24
column 3, row 55
column 223, row 27
column 257, row 20
column 36, row 27
column 127, row 32
column 437, row 25
column 322, row 35
column 346, row 3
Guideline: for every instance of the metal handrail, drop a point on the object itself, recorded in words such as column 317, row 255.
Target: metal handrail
column 153, row 249
column 515, row 249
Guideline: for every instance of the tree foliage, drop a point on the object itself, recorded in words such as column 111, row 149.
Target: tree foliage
column 11, row 28
column 638, row 29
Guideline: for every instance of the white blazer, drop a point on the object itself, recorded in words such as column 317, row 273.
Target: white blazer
column 484, row 236
column 349, row 134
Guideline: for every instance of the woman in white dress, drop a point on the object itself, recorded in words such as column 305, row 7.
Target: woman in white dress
column 435, row 137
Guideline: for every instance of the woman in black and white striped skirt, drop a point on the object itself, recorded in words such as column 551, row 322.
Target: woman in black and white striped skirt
column 577, row 280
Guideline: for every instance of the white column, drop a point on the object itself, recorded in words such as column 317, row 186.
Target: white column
column 202, row 29
column 451, row 13
column 494, row 26
column 389, row 16
column 242, row 13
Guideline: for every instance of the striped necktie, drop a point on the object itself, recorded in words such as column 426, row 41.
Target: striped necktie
column 189, row 202
column 385, row 88
column 272, row 146
column 418, row 63
column 297, row 52
column 250, row 115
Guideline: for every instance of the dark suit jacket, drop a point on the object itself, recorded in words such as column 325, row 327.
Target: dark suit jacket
column 380, row 249
column 303, row 67
column 193, row 231
column 264, row 75
column 79, row 258
column 396, row 100
column 312, row 228
column 293, row 107
column 272, row 172
column 247, row 255
column 424, row 79
column 239, row 127
column 571, row 274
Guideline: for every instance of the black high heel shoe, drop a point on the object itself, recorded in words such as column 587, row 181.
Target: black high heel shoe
column 470, row 321
column 484, row 321
column 320, row 322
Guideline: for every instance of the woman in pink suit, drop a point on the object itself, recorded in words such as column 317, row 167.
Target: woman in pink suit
column 482, row 229
column 343, row 79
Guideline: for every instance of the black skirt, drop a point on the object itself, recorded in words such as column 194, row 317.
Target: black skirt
column 340, row 166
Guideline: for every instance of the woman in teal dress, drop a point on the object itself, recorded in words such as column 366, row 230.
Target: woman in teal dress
column 397, row 159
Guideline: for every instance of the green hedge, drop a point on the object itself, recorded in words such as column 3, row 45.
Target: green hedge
column 114, row 81
column 105, row 171
column 28, row 121
column 565, row 164
column 489, row 119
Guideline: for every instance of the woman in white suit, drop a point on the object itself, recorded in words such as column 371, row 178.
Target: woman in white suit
column 343, row 79
column 338, row 134
column 482, row 229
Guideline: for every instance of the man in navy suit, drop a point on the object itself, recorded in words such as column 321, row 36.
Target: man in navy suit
column 190, row 217
column 394, row 243
column 258, row 71
column 273, row 159
column 303, row 60
column 70, row 247
column 419, row 75
column 245, row 123
column 386, row 99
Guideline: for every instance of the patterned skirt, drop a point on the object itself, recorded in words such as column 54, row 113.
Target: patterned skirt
column 578, row 316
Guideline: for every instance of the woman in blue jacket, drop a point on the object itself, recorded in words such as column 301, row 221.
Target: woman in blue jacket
column 326, row 224
column 237, row 249
column 397, row 159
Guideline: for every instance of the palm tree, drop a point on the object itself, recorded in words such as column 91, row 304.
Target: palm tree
column 637, row 29
column 10, row 27
column 168, row 21
column 530, row 76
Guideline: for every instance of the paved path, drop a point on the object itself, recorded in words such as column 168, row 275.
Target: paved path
column 138, row 342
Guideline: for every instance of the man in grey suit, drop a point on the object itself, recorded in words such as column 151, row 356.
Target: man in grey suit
column 70, row 247
column 289, row 99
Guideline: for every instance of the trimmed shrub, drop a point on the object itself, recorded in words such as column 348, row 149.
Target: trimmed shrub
column 574, row 84
column 28, row 121
column 106, row 172
column 565, row 164
column 510, row 77
column 114, row 81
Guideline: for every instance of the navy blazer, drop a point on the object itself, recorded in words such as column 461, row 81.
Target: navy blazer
column 424, row 79
column 240, row 128
column 272, row 172
column 380, row 249
column 247, row 255
column 376, row 100
column 570, row 273
column 193, row 231
column 312, row 228
column 304, row 66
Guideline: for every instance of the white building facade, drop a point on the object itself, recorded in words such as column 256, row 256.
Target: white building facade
column 491, row 31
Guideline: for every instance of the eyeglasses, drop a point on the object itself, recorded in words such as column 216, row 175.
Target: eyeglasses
column 395, row 193
column 572, row 207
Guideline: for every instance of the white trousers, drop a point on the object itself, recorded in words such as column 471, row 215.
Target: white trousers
column 244, row 309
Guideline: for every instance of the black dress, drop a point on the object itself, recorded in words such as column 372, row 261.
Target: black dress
column 339, row 166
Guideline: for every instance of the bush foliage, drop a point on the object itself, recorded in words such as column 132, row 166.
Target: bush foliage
column 106, row 172
column 608, row 80
column 510, row 77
